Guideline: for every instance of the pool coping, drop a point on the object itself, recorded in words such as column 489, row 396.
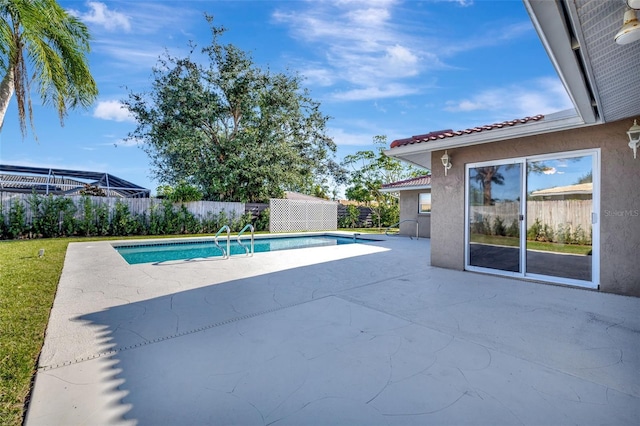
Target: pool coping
column 244, row 237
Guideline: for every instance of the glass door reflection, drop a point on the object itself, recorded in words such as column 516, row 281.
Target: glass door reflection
column 494, row 217
column 559, row 208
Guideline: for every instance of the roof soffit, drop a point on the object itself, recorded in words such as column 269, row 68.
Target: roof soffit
column 549, row 20
column 598, row 74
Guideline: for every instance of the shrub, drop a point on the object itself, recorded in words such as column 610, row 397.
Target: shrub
column 52, row 216
column 513, row 230
column 481, row 225
column 102, row 219
column 67, row 213
column 17, row 220
column 181, row 193
column 581, row 237
column 188, row 222
column 540, row 232
column 123, row 223
column 389, row 214
column 350, row 220
column 155, row 220
column 87, row 222
column 238, row 223
column 563, row 234
column 498, row 227
column 170, row 223
column 262, row 222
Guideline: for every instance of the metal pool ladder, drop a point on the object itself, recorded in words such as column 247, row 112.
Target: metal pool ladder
column 246, row 250
column 401, row 222
column 227, row 253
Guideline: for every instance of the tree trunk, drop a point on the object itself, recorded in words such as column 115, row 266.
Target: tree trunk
column 489, row 172
column 6, row 92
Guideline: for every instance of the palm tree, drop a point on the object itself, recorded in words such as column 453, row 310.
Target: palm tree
column 486, row 176
column 41, row 35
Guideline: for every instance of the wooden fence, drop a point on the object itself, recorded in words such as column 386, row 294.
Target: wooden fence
column 554, row 213
column 200, row 209
column 365, row 215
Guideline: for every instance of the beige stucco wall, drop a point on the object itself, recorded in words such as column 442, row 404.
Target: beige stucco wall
column 409, row 211
column 619, row 201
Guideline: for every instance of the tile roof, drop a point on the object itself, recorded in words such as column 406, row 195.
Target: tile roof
column 443, row 134
column 409, row 183
column 292, row 195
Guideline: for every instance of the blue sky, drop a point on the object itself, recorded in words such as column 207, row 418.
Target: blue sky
column 388, row 67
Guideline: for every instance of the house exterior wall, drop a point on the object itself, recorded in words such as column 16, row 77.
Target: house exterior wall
column 409, row 211
column 619, row 198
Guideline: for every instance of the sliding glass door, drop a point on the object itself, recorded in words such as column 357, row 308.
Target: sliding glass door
column 534, row 217
column 494, row 193
column 559, row 217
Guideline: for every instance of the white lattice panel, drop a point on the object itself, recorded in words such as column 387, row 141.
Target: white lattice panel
column 302, row 215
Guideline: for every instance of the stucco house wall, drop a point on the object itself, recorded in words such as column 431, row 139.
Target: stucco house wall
column 619, row 198
column 409, row 211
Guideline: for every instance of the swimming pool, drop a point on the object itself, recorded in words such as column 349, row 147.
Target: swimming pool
column 192, row 249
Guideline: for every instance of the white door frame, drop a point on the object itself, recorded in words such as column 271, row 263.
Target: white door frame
column 595, row 236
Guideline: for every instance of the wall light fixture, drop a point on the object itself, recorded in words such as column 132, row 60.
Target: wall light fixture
column 630, row 30
column 446, row 162
column 634, row 137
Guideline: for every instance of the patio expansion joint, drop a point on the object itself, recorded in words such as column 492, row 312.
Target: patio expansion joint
column 114, row 351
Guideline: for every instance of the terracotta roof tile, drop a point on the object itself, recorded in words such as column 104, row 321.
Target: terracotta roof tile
column 417, row 181
column 442, row 134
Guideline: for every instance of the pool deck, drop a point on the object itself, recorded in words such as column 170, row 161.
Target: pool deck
column 360, row 334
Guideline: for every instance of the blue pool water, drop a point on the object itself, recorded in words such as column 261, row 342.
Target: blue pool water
column 162, row 252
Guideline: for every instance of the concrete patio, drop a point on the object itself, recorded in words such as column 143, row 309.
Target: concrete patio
column 358, row 334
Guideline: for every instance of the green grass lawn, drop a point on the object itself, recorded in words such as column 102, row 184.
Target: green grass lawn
column 27, row 288
column 28, row 285
column 368, row 230
column 531, row 245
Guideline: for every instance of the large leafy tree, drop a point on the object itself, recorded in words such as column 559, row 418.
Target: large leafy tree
column 237, row 132
column 40, row 42
column 368, row 171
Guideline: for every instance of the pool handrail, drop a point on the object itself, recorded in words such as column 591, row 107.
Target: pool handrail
column 227, row 253
column 386, row 232
column 246, row 250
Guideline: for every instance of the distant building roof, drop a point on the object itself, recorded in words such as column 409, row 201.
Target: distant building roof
column 577, row 189
column 420, row 182
column 443, row 134
column 65, row 182
column 291, row 195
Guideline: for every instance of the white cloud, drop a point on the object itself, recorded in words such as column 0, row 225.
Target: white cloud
column 379, row 107
column 126, row 143
column 401, row 56
column 542, row 96
column 344, row 138
column 318, row 76
column 365, row 44
column 375, row 92
column 359, row 44
column 142, row 55
column 112, row 110
column 550, row 171
column 370, row 16
column 100, row 15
